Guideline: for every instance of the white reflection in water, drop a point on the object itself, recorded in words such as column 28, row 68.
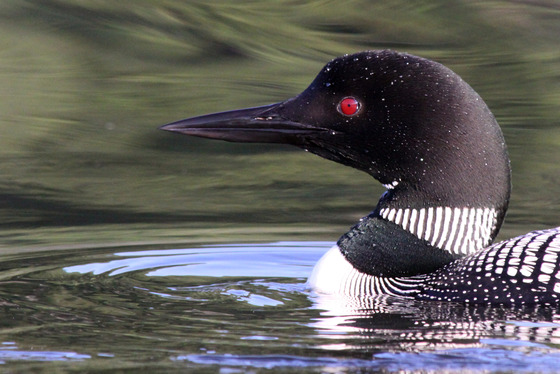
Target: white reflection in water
column 282, row 259
column 406, row 324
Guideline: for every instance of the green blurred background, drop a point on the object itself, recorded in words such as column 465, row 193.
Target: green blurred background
column 84, row 86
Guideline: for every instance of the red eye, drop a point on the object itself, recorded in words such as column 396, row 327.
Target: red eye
column 349, row 106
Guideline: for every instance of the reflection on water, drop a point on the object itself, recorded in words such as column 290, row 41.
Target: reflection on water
column 10, row 352
column 93, row 197
column 241, row 261
column 456, row 361
column 247, row 306
column 85, row 86
column 15, row 355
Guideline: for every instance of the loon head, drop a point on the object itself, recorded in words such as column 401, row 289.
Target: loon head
column 411, row 123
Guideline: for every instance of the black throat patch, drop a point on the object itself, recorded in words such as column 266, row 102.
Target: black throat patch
column 383, row 249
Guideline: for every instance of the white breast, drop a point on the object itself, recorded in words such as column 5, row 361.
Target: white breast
column 333, row 274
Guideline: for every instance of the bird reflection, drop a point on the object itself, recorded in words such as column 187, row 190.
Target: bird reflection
column 411, row 325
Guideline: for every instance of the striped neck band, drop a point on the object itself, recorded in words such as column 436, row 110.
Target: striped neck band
column 458, row 230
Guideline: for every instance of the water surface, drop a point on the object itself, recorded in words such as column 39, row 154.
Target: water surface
column 123, row 247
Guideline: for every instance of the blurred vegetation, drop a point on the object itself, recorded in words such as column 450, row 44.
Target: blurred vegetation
column 85, row 84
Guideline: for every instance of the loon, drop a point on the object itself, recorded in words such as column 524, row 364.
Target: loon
column 419, row 129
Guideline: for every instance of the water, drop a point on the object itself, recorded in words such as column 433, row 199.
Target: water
column 243, row 307
column 126, row 248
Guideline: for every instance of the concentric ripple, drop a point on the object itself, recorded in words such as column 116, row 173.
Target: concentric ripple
column 244, row 307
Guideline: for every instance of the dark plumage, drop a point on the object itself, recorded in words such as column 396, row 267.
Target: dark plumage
column 424, row 133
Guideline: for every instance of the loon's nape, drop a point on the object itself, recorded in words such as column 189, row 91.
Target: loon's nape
column 429, row 138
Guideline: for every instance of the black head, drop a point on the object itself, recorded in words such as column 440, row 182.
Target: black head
column 411, row 123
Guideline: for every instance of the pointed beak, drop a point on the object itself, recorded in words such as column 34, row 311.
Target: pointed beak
column 265, row 124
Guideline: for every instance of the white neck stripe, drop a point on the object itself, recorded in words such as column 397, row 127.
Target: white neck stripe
column 457, row 230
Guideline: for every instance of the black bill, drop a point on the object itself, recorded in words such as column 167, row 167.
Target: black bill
column 265, row 124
